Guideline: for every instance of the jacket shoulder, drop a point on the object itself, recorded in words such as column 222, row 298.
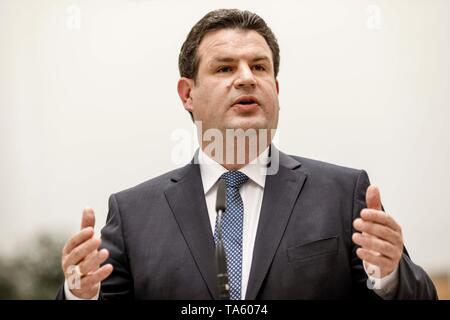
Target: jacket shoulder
column 319, row 168
column 152, row 186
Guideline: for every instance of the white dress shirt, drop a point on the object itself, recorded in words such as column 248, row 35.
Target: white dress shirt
column 252, row 194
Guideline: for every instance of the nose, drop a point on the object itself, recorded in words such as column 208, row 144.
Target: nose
column 245, row 78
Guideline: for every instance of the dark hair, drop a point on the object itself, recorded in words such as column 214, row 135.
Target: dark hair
column 188, row 60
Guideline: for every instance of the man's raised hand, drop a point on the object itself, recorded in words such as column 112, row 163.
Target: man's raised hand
column 81, row 259
column 381, row 237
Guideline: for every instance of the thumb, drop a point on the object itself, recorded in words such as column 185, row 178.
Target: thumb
column 373, row 198
column 88, row 218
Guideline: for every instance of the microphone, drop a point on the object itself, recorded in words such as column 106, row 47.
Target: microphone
column 221, row 257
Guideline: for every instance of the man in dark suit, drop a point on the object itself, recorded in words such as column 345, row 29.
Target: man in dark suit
column 294, row 228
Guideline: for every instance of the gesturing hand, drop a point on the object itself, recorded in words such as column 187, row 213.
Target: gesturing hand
column 381, row 237
column 81, row 260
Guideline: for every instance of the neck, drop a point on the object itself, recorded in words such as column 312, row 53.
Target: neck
column 235, row 153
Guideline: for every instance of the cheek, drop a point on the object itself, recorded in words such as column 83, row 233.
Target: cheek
column 271, row 97
column 200, row 102
column 213, row 99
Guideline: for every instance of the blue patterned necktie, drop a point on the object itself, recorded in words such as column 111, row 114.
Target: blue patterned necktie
column 232, row 222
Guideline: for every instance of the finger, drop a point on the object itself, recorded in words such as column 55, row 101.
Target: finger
column 378, row 230
column 365, row 234
column 87, row 218
column 81, row 252
column 77, row 239
column 93, row 262
column 373, row 198
column 97, row 276
column 380, row 261
column 374, row 244
column 83, row 268
column 380, row 217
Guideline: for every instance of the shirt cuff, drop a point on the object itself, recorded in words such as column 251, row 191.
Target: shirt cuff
column 385, row 287
column 70, row 296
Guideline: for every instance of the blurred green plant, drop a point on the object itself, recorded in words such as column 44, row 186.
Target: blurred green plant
column 34, row 273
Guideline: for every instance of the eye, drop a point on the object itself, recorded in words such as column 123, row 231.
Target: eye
column 224, row 69
column 259, row 67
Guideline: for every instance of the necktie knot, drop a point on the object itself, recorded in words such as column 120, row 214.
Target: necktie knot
column 234, row 179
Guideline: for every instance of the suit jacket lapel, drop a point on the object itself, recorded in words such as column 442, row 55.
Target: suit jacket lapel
column 280, row 195
column 186, row 198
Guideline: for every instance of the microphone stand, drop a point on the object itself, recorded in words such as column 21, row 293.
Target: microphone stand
column 221, row 258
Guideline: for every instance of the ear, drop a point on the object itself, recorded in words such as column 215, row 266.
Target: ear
column 278, row 89
column 184, row 88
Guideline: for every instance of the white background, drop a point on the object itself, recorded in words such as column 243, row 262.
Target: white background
column 88, row 104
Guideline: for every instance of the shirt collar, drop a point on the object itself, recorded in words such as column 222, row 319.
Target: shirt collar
column 211, row 170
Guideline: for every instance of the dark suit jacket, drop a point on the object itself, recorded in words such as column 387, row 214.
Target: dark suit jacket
column 161, row 245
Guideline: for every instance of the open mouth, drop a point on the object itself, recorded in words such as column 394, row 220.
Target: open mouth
column 246, row 101
column 246, row 104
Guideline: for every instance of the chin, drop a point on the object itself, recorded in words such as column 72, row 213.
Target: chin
column 248, row 123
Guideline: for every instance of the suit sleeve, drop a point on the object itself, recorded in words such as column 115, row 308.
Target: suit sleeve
column 413, row 283
column 120, row 283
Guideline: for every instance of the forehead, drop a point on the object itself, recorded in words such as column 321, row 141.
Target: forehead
column 233, row 43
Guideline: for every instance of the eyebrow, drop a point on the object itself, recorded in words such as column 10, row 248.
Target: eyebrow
column 230, row 59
